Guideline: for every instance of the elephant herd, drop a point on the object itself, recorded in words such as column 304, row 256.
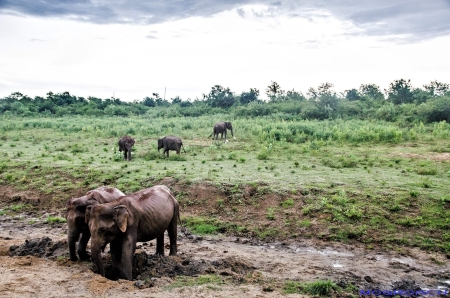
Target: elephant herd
column 172, row 142
column 107, row 216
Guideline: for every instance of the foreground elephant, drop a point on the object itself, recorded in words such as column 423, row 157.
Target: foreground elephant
column 75, row 215
column 170, row 143
column 141, row 216
column 221, row 128
column 125, row 145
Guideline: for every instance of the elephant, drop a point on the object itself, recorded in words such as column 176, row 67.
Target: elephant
column 170, row 143
column 221, row 128
column 138, row 217
column 125, row 145
column 75, row 216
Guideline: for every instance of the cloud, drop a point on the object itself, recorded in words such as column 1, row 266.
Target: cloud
column 414, row 20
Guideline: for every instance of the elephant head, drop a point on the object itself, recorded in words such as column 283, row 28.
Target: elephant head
column 75, row 216
column 229, row 127
column 106, row 224
column 160, row 144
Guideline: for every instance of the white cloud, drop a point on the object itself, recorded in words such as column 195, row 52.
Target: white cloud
column 240, row 48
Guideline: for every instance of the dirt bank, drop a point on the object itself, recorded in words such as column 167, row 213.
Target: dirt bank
column 240, row 266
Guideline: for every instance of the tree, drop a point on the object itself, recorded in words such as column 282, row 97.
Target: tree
column 148, row 101
column 274, row 90
column 176, row 100
column 352, row 95
column 436, row 88
column 219, row 97
column 323, row 89
column 294, row 95
column 248, row 97
column 400, row 91
column 159, row 101
column 372, row 91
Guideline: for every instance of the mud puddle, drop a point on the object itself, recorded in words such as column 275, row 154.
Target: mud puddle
column 248, row 267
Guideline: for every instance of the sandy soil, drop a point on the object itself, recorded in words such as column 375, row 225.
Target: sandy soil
column 248, row 267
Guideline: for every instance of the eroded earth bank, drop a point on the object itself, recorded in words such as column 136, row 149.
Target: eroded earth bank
column 34, row 263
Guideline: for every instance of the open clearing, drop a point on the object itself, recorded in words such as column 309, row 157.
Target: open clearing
column 287, row 204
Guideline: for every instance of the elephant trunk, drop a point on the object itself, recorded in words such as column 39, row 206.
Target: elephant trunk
column 97, row 258
column 73, row 234
column 232, row 132
column 72, row 241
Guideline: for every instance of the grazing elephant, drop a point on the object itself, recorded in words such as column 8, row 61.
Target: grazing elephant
column 125, row 145
column 222, row 127
column 141, row 216
column 75, row 215
column 170, row 143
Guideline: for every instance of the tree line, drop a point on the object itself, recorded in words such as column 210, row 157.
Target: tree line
column 399, row 102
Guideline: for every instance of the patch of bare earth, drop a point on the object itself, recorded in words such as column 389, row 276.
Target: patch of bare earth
column 246, row 266
column 442, row 157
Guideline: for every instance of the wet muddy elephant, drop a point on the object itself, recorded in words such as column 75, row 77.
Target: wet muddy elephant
column 221, row 128
column 142, row 216
column 125, row 145
column 170, row 143
column 75, row 215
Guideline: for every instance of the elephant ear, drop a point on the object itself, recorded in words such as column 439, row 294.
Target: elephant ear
column 94, row 199
column 122, row 217
column 88, row 214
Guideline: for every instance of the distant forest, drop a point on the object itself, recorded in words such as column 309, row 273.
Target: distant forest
column 401, row 102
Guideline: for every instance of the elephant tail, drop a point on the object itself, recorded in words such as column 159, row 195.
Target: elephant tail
column 182, row 228
column 182, row 146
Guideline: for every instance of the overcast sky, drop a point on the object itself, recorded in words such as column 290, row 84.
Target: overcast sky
column 131, row 49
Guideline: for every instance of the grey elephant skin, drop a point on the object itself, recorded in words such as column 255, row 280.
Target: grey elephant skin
column 125, row 145
column 221, row 128
column 170, row 143
column 142, row 216
column 75, row 215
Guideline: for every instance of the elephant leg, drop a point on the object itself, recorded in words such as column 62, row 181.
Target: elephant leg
column 172, row 231
column 116, row 258
column 129, row 154
column 160, row 245
column 85, row 236
column 125, row 154
column 72, row 239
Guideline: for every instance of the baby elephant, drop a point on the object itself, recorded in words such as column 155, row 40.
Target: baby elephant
column 125, row 145
column 142, row 216
column 75, row 215
column 170, row 143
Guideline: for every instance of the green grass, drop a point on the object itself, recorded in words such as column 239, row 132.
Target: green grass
column 370, row 180
column 55, row 219
column 200, row 225
column 188, row 281
column 19, row 207
column 322, row 288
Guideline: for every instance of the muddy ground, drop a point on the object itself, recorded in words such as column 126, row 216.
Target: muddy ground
column 34, row 263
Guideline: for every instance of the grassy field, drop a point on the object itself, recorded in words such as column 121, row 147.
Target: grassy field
column 372, row 182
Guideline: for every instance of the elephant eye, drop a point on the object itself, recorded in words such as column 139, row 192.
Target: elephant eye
column 103, row 230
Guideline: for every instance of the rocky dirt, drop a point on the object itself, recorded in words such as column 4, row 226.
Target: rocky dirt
column 34, row 263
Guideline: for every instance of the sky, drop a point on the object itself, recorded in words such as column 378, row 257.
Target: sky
column 131, row 49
